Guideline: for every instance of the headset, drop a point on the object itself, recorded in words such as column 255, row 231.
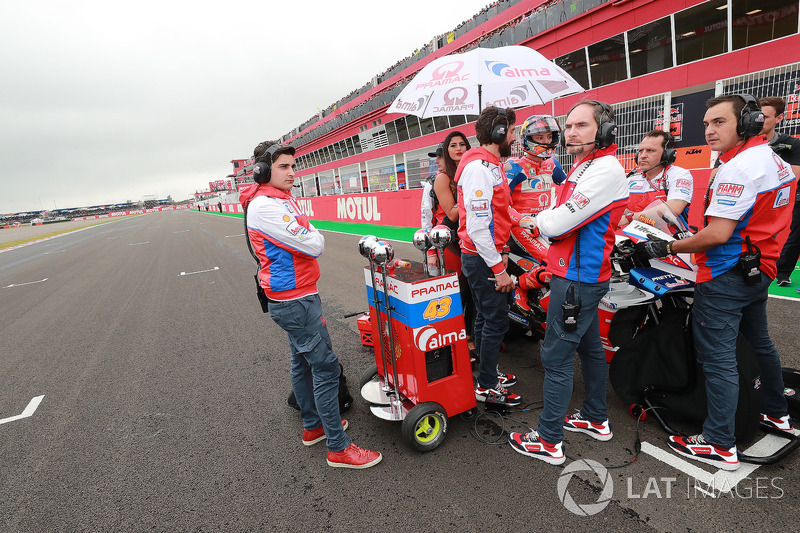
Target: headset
column 668, row 156
column 499, row 130
column 751, row 119
column 607, row 129
column 262, row 170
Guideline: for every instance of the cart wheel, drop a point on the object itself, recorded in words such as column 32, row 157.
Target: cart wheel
column 470, row 415
column 637, row 412
column 425, row 426
column 368, row 375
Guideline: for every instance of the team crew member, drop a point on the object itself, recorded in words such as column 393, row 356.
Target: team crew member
column 659, row 178
column 454, row 146
column 748, row 202
column 287, row 246
column 484, row 229
column 582, row 225
column 788, row 148
column 532, row 180
column 429, row 203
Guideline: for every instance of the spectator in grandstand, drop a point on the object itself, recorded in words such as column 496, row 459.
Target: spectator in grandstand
column 287, row 247
column 788, row 148
column 454, row 146
column 484, row 227
column 582, row 225
column 658, row 178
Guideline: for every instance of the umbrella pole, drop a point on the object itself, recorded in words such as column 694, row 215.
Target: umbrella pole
column 479, row 99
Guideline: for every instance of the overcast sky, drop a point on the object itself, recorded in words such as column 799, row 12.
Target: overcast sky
column 104, row 101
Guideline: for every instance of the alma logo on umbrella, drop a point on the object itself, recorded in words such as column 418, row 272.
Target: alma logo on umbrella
column 505, row 70
column 410, row 106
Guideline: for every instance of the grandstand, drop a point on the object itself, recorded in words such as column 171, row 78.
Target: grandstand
column 656, row 61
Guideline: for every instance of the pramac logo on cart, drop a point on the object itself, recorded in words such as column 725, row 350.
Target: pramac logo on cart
column 434, row 288
column 428, row 338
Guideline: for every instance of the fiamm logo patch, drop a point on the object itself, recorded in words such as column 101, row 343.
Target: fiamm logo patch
column 730, row 189
column 579, row 200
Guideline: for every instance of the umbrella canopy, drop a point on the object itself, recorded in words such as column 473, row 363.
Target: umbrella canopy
column 508, row 76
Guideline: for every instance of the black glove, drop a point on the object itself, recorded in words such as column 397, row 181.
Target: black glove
column 653, row 248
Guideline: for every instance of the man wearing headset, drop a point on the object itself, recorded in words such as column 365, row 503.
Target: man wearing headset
column 484, row 229
column 532, row 180
column 582, row 225
column 287, row 247
column 749, row 201
column 658, row 178
column 788, row 148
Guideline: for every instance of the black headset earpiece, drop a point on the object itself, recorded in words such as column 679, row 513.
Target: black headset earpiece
column 668, row 156
column 751, row 120
column 500, row 126
column 263, row 169
column 607, row 130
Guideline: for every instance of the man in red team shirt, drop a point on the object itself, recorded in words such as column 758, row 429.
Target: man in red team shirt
column 748, row 202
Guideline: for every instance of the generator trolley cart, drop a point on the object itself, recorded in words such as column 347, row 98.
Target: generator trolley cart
column 422, row 373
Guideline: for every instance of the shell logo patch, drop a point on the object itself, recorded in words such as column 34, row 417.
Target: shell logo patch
column 286, row 218
column 478, row 193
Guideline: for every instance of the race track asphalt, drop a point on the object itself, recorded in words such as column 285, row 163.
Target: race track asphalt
column 164, row 409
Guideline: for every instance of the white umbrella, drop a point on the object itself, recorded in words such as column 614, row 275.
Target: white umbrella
column 508, row 76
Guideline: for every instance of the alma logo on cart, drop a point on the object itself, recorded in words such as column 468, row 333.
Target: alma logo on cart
column 428, row 338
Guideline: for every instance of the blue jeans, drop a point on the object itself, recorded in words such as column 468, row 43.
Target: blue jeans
column 491, row 316
column 724, row 307
column 558, row 351
column 315, row 368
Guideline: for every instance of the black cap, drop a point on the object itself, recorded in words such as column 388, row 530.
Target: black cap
column 437, row 153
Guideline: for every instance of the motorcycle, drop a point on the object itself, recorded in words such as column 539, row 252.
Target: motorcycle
column 637, row 290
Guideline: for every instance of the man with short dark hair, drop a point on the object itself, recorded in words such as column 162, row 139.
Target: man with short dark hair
column 484, row 229
column 747, row 204
column 658, row 178
column 788, row 148
column 582, row 225
column 287, row 247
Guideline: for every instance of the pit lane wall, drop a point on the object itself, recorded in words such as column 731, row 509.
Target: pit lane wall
column 401, row 209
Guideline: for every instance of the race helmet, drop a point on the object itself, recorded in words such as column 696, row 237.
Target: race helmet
column 540, row 124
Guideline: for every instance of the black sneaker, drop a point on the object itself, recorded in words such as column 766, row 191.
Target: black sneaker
column 497, row 394
column 783, row 282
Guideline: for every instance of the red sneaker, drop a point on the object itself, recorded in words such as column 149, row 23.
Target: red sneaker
column 354, row 457
column 313, row 436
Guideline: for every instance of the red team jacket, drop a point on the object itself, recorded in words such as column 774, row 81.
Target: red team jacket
column 286, row 244
column 585, row 217
column 484, row 223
